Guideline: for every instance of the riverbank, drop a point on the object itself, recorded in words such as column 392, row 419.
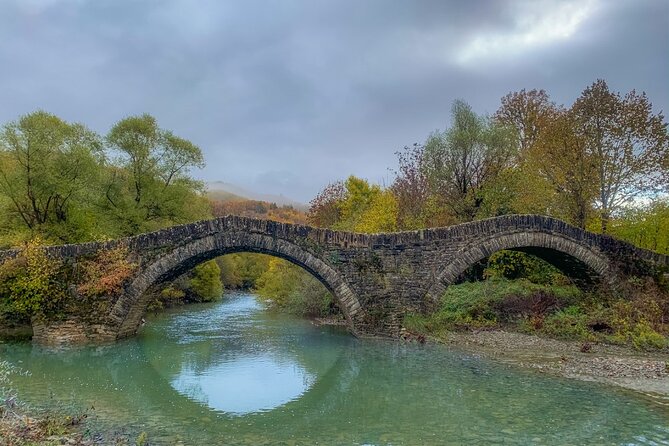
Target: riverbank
column 22, row 424
column 17, row 428
column 644, row 372
column 20, row 429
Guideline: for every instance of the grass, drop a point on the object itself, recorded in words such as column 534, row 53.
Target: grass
column 638, row 319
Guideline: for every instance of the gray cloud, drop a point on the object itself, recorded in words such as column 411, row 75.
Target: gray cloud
column 286, row 96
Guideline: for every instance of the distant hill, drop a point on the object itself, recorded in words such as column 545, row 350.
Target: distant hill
column 259, row 209
column 227, row 199
column 220, row 190
column 224, row 196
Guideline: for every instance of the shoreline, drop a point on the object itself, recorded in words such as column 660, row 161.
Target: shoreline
column 646, row 373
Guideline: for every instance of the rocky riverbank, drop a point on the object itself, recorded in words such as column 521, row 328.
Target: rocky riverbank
column 643, row 372
column 19, row 427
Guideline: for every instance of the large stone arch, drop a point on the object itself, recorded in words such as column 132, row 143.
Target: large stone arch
column 131, row 306
column 577, row 260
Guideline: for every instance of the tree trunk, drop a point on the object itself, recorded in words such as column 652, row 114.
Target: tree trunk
column 605, row 221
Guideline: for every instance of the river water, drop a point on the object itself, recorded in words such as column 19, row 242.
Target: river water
column 233, row 373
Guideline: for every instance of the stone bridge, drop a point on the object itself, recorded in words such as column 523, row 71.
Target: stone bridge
column 375, row 278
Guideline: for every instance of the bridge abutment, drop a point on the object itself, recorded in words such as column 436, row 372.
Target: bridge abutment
column 72, row 331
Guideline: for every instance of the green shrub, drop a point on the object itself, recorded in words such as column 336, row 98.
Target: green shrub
column 242, row 270
column 31, row 284
column 519, row 265
column 645, row 338
column 167, row 297
column 205, row 284
column 568, row 323
column 494, row 302
column 291, row 289
column 636, row 315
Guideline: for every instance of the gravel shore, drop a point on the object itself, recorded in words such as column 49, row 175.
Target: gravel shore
column 643, row 372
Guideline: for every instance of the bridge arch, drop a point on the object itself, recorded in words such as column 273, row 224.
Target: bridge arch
column 580, row 262
column 131, row 306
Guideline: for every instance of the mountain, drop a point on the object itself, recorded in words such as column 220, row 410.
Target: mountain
column 222, row 191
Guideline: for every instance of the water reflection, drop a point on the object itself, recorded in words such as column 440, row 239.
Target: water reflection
column 246, row 384
column 235, row 358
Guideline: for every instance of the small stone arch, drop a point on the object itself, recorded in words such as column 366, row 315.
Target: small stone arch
column 131, row 306
column 578, row 261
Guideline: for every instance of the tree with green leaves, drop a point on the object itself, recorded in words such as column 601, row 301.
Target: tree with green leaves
column 205, row 282
column 462, row 161
column 355, row 205
column 645, row 225
column 49, row 169
column 150, row 186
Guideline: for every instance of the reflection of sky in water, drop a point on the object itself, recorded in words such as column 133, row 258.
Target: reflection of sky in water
column 244, row 385
column 230, row 373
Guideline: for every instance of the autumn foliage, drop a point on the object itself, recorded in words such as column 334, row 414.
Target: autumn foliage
column 258, row 209
column 588, row 164
column 105, row 273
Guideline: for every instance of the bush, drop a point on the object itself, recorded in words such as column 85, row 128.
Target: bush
column 294, row 290
column 205, row 284
column 31, row 284
column 568, row 323
column 645, row 338
column 166, row 298
column 637, row 315
column 105, row 273
column 242, row 270
column 516, row 265
column 496, row 301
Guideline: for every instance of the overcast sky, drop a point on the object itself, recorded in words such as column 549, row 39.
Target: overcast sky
column 286, row 96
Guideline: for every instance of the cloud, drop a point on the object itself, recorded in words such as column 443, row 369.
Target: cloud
column 538, row 23
column 290, row 95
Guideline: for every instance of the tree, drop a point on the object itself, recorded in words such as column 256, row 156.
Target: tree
column 48, row 170
column 380, row 214
column 355, row 205
column 357, row 200
column 150, row 186
column 241, row 270
column 292, row 289
column 205, row 282
column 525, row 111
column 411, row 188
column 559, row 156
column 324, row 209
column 460, row 162
column 646, row 226
column 628, row 143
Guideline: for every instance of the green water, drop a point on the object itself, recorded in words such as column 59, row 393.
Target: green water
column 233, row 373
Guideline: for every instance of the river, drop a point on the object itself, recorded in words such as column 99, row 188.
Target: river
column 234, row 373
